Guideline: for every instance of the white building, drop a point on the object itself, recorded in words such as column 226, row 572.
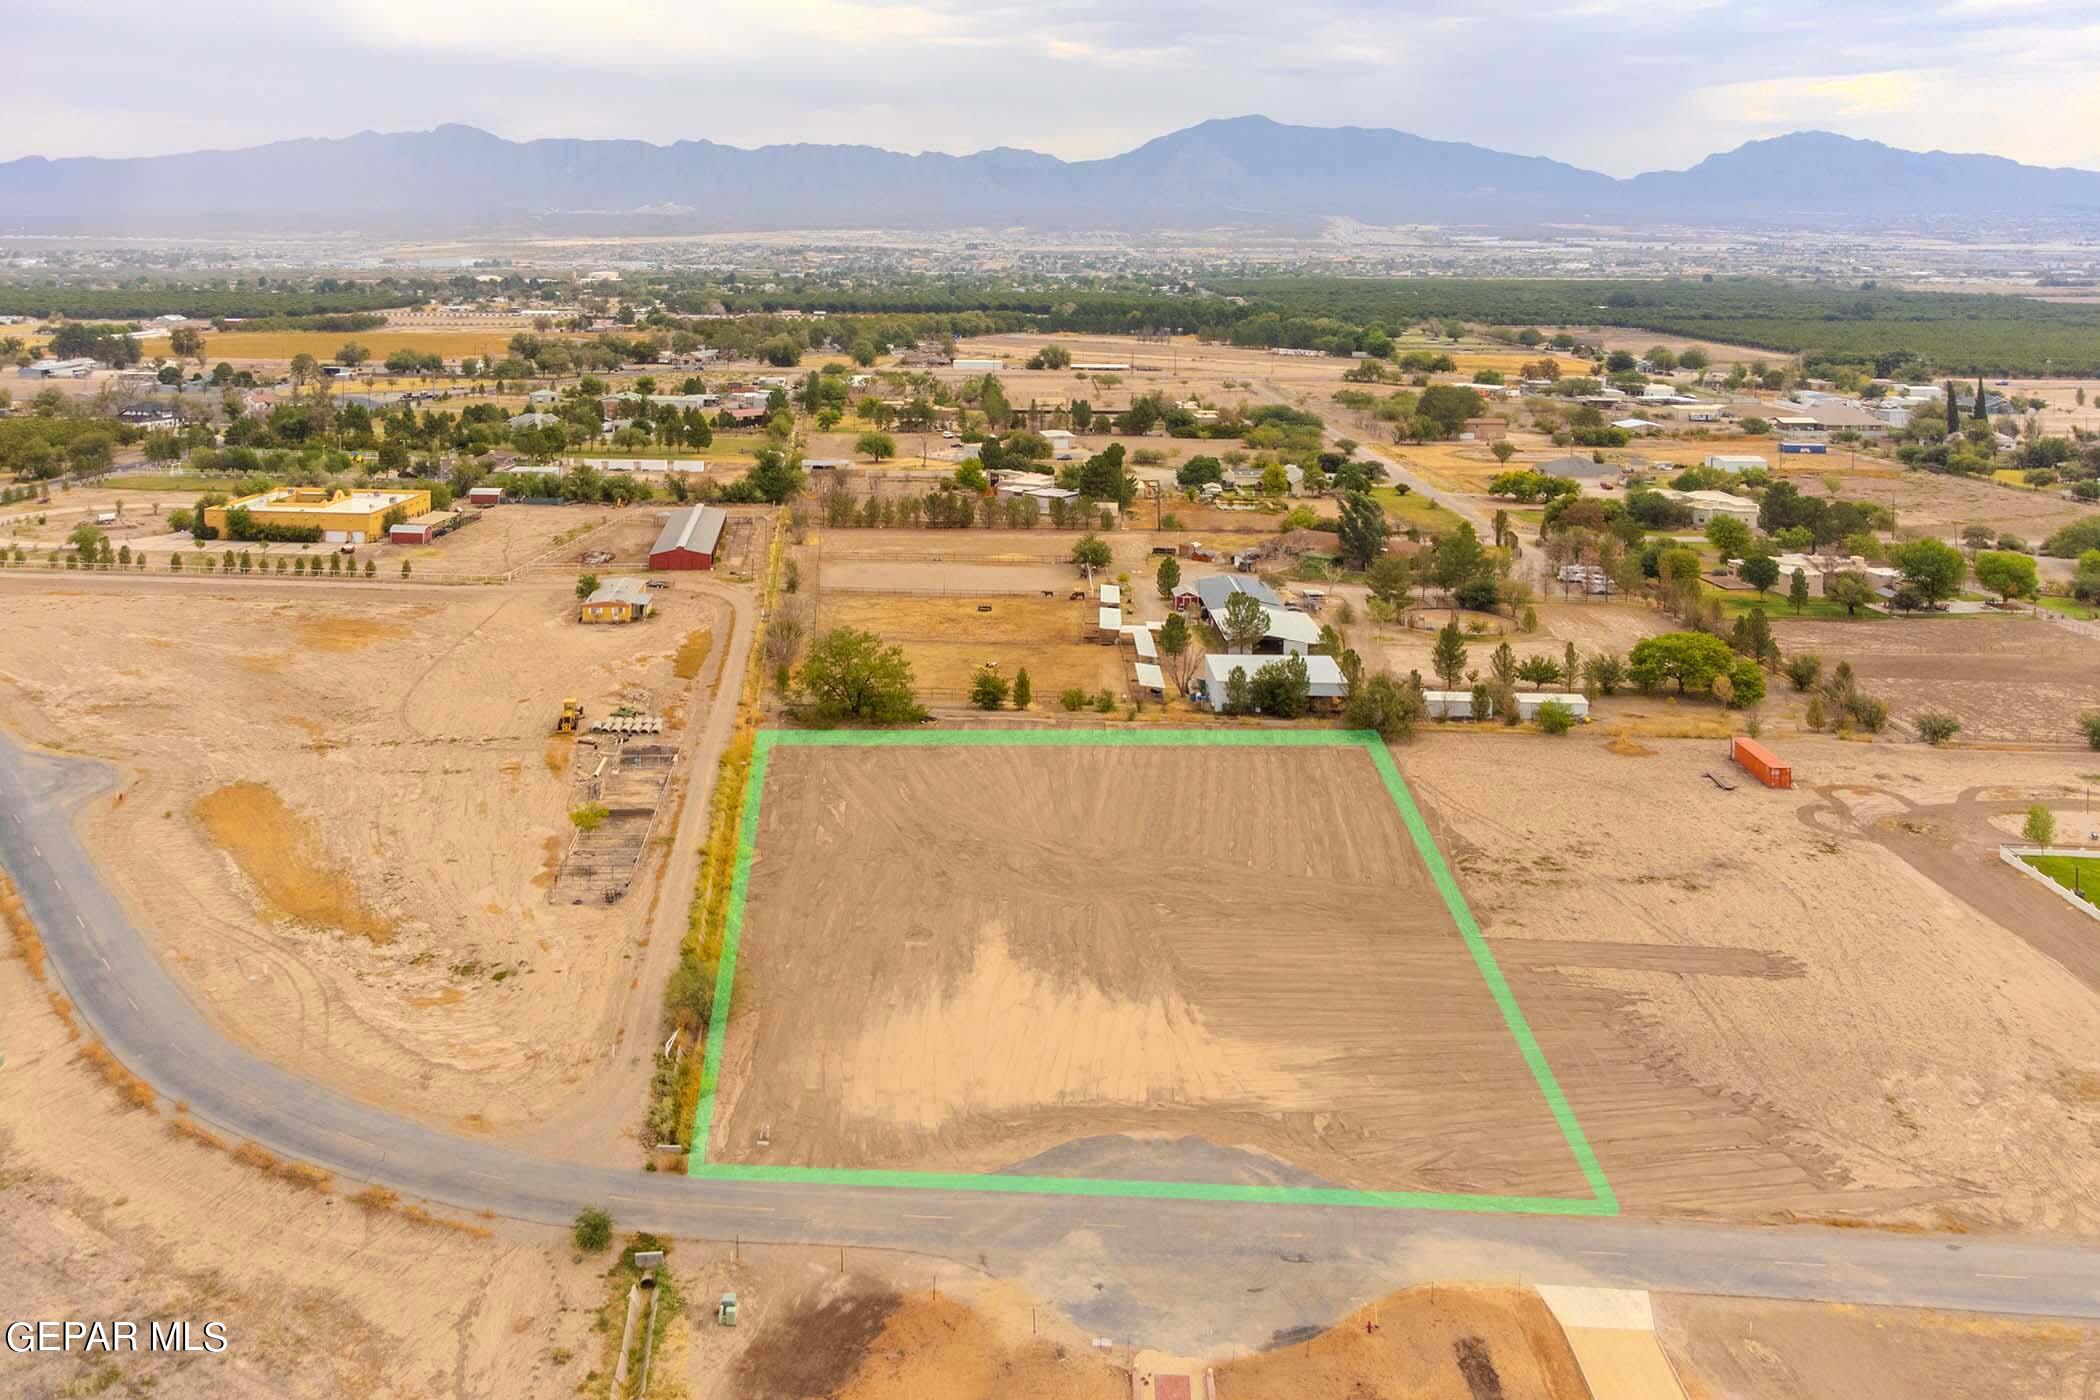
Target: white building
column 1705, row 505
column 1323, row 674
column 1737, row 462
column 57, row 369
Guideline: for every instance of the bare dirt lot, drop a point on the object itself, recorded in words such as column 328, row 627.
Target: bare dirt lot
column 116, row 1214
column 1723, row 1348
column 502, row 538
column 343, row 810
column 2008, row 679
column 1833, row 1002
column 1104, row 902
column 949, row 640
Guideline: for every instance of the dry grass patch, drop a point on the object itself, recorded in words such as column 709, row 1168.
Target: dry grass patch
column 305, row 1174
column 196, row 1132
column 132, row 1089
column 692, row 654
column 347, row 633
column 279, row 853
column 421, row 1216
column 28, row 943
column 376, row 1198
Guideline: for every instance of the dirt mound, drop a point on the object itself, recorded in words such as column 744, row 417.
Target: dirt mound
column 1441, row 1343
column 883, row 1346
column 816, row 1347
column 279, row 853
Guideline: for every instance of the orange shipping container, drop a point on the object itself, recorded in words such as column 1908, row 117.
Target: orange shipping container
column 1762, row 763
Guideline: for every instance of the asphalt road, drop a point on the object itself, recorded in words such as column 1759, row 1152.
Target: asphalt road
column 1184, row 1275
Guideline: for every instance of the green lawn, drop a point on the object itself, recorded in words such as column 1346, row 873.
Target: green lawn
column 188, row 485
column 1734, row 604
column 1414, row 509
column 2069, row 607
column 2078, row 874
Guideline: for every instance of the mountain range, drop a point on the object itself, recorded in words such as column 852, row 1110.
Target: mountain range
column 1241, row 172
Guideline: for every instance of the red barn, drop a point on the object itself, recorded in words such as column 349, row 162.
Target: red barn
column 408, row 534
column 689, row 539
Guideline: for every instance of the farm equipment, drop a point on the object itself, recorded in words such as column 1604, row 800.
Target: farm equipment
column 571, row 717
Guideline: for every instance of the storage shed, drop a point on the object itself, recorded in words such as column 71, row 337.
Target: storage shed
column 408, row 534
column 485, row 496
column 689, row 539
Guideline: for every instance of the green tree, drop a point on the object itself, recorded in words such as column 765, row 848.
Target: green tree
column 1728, row 535
column 1555, row 717
column 1797, row 591
column 1168, row 578
column 1387, row 707
column 1175, row 646
column 1024, row 689
column 1746, row 684
column 1761, row 571
column 1244, row 623
column 1281, row 688
column 876, row 447
column 1850, row 590
column 1933, row 568
column 2040, row 827
column 1389, row 578
column 1091, row 552
column 593, row 1229
column 2089, row 722
column 989, row 690
column 1502, row 664
column 1606, row 671
column 586, row 585
column 1690, row 659
column 1539, row 671
column 1448, row 659
column 2007, row 574
column 850, row 675
column 1362, row 529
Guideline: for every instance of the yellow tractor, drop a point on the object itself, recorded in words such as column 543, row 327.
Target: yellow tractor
column 571, row 717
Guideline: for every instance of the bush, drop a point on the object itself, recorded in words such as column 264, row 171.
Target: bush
column 1555, row 717
column 1073, row 699
column 2090, row 723
column 988, row 691
column 589, row 817
column 1871, row 714
column 1936, row 727
column 593, row 1230
column 1804, row 669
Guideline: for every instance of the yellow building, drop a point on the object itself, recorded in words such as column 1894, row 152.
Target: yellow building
column 342, row 517
column 616, row 600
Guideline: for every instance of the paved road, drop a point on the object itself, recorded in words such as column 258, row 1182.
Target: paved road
column 1185, row 1275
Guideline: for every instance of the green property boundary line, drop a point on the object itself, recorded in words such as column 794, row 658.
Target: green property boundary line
column 1601, row 1200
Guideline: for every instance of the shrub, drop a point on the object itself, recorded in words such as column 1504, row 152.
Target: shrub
column 1804, row 669
column 593, row 1230
column 2090, row 723
column 1555, row 717
column 589, row 817
column 1073, row 699
column 988, row 691
column 1936, row 727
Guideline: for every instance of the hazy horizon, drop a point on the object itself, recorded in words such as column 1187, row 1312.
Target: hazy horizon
column 1608, row 85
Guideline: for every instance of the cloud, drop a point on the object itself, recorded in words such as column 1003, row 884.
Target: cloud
column 1616, row 85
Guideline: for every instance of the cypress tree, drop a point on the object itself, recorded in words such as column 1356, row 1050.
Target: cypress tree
column 1953, row 413
column 1981, row 414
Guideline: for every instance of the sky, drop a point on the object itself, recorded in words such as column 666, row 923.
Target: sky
column 1614, row 85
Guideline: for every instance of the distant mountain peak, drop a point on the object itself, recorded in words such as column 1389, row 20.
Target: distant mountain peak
column 1247, row 171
